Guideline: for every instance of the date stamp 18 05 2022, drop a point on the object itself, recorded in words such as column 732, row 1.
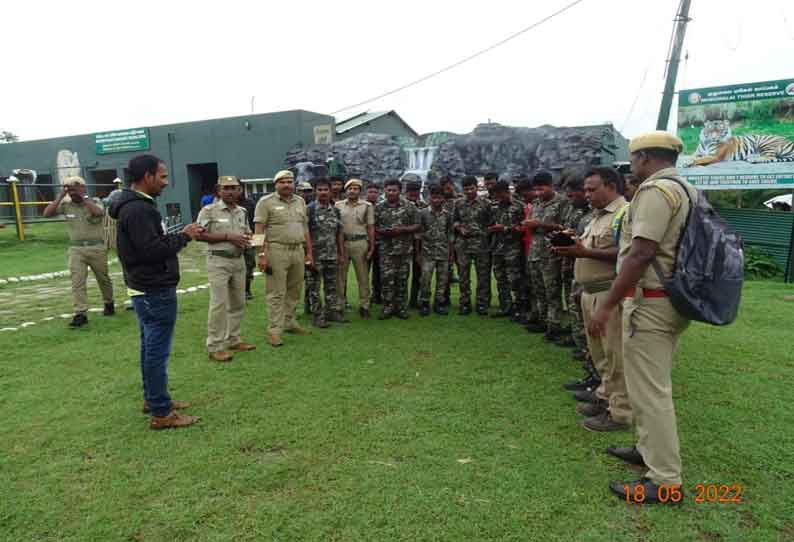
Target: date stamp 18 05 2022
column 702, row 494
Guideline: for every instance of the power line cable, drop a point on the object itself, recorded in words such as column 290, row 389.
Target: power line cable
column 636, row 96
column 464, row 60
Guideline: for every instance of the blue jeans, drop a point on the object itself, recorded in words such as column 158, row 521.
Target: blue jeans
column 156, row 312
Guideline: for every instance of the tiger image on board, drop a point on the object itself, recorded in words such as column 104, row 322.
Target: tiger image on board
column 718, row 144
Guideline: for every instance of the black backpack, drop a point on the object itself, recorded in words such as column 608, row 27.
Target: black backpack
column 706, row 284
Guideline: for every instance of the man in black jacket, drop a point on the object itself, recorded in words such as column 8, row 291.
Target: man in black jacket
column 151, row 271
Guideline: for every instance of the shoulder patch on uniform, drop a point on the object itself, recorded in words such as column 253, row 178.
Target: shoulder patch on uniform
column 668, row 192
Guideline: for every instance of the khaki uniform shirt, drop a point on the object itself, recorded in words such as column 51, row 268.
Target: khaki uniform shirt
column 356, row 217
column 598, row 234
column 657, row 212
column 285, row 221
column 80, row 224
column 220, row 218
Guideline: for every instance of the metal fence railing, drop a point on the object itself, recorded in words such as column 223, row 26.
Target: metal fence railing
column 15, row 197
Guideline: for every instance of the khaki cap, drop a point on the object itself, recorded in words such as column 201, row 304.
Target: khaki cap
column 228, row 180
column 305, row 186
column 658, row 139
column 74, row 180
column 354, row 182
column 283, row 174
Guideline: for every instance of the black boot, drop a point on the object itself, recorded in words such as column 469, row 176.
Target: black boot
column 504, row 312
column 536, row 326
column 319, row 321
column 587, row 383
column 338, row 317
column 79, row 320
column 110, row 309
column 552, row 333
column 579, row 355
column 424, row 310
column 566, row 341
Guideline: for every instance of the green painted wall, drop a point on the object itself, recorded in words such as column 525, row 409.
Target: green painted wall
column 256, row 150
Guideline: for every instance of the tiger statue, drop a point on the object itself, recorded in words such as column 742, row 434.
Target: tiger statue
column 718, row 144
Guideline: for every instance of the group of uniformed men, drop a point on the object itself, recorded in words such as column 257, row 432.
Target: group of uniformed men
column 587, row 258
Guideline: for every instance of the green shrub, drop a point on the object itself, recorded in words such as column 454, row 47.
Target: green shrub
column 759, row 264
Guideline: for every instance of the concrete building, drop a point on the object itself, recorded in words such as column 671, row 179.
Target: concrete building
column 374, row 122
column 249, row 146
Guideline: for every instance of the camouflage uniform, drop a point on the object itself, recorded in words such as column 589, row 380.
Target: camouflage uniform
column 416, row 265
column 324, row 226
column 506, row 252
column 544, row 265
column 526, row 310
column 250, row 253
column 395, row 252
column 474, row 248
column 436, row 241
column 492, row 203
column 449, row 205
column 575, row 219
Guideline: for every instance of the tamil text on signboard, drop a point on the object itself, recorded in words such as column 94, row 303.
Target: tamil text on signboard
column 136, row 139
column 738, row 136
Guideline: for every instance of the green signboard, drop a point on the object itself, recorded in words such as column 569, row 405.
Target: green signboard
column 136, row 139
column 738, row 136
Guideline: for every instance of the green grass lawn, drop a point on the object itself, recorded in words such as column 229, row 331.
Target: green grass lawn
column 43, row 250
column 440, row 428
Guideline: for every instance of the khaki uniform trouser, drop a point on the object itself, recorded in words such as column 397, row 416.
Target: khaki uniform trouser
column 651, row 329
column 227, row 301
column 283, row 287
column 80, row 259
column 607, row 354
column 357, row 254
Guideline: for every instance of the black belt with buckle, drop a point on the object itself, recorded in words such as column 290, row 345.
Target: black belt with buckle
column 356, row 237
column 225, row 254
column 86, row 243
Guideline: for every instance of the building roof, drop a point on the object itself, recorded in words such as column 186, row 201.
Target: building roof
column 360, row 119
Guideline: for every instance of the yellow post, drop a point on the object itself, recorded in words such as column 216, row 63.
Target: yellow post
column 17, row 209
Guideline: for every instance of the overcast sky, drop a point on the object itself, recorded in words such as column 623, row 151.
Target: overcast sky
column 82, row 67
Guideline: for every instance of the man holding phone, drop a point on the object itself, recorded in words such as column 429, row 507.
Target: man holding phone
column 151, row 270
column 606, row 408
column 227, row 232
column 544, row 265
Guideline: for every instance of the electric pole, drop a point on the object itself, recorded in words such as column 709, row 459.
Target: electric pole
column 681, row 19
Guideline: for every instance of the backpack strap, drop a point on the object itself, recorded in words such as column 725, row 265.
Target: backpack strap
column 657, row 267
